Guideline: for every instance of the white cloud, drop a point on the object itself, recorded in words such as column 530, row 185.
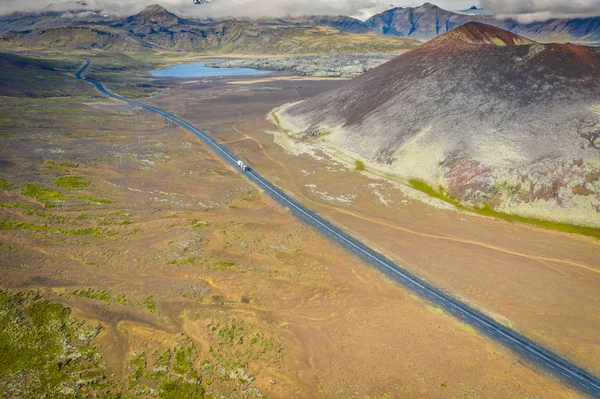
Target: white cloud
column 216, row 8
column 530, row 10
column 523, row 9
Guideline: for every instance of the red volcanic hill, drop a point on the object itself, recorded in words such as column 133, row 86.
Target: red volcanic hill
column 475, row 98
column 481, row 34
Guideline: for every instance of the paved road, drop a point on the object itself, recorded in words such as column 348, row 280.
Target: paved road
column 567, row 371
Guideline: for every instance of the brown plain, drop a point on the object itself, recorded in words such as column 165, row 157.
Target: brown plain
column 345, row 329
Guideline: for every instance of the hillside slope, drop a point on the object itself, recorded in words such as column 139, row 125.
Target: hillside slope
column 492, row 117
column 429, row 21
column 28, row 77
column 74, row 38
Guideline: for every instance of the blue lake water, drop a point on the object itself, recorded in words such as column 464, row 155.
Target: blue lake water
column 198, row 70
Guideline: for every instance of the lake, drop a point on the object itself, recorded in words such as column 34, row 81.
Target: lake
column 198, row 70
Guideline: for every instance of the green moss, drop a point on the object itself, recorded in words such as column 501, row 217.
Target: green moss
column 173, row 374
column 31, row 211
column 150, row 304
column 359, row 165
column 177, row 390
column 232, row 333
column 276, row 119
column 440, row 193
column 14, row 205
column 101, row 295
column 182, row 365
column 71, row 182
column 35, row 342
column 486, row 210
column 199, row 224
column 4, row 185
column 92, row 199
column 161, row 367
column 222, row 265
column 137, row 365
column 60, row 165
column 8, row 225
column 43, row 352
column 48, row 196
column 210, row 264
column 42, row 194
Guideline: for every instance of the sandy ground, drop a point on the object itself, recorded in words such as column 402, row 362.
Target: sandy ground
column 542, row 283
column 212, row 250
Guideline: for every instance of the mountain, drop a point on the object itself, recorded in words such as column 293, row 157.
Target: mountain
column 491, row 116
column 341, row 23
column 149, row 18
column 157, row 28
column 73, row 38
column 428, row 21
column 423, row 23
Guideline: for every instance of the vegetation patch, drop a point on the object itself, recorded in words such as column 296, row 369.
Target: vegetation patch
column 359, row 165
column 4, row 185
column 486, row 210
column 199, row 224
column 50, row 197
column 14, row 205
column 213, row 264
column 42, row 194
column 60, row 165
column 96, row 232
column 31, row 211
column 173, row 375
column 277, row 121
column 45, row 353
column 150, row 304
column 71, row 182
column 177, row 390
column 101, row 295
column 440, row 193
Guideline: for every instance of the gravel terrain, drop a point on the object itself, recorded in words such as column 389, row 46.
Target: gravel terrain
column 343, row 66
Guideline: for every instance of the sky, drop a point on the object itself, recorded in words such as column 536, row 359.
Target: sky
column 524, row 10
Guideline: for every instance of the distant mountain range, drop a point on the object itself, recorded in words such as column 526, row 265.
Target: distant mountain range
column 422, row 23
column 429, row 21
column 492, row 117
column 157, row 28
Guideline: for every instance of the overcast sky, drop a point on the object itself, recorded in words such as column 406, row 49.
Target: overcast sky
column 522, row 9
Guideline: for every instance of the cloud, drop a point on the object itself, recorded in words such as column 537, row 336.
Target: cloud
column 530, row 10
column 524, row 10
column 282, row 8
column 215, row 8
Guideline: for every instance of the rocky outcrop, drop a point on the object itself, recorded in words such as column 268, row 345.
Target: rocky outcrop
column 338, row 66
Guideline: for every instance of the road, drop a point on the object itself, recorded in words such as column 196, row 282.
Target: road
column 576, row 376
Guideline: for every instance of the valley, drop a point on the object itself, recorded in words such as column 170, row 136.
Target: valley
column 137, row 262
column 206, row 262
column 374, row 208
